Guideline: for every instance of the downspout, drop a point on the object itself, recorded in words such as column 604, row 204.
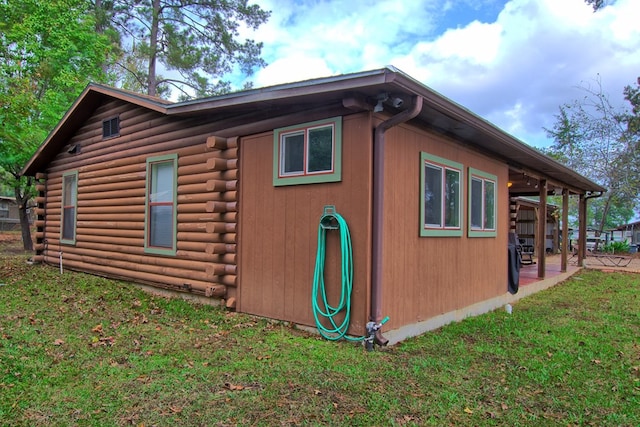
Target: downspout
column 378, row 208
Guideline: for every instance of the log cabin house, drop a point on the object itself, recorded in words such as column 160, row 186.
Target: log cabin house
column 222, row 196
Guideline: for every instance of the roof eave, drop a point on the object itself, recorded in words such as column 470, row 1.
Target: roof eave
column 307, row 88
column 82, row 108
column 460, row 113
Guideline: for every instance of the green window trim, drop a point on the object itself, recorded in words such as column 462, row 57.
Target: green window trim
column 150, row 205
column 69, row 208
column 447, row 168
column 487, row 184
column 304, row 173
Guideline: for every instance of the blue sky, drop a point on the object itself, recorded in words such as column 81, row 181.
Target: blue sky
column 511, row 62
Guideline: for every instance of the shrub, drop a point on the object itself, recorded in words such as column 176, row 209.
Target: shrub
column 616, row 247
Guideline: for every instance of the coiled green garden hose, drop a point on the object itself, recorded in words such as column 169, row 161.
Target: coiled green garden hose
column 331, row 220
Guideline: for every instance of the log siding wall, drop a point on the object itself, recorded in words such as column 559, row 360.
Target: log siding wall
column 111, row 202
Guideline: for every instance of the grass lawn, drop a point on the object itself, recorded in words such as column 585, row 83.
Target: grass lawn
column 82, row 350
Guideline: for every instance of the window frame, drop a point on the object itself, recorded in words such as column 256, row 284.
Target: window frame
column 484, row 177
column 110, row 122
column 64, row 208
column 148, row 248
column 306, row 177
column 444, row 164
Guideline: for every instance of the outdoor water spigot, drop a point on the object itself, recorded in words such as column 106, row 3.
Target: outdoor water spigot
column 372, row 328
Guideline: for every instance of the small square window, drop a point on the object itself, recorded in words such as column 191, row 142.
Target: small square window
column 440, row 192
column 111, row 127
column 308, row 153
column 482, row 204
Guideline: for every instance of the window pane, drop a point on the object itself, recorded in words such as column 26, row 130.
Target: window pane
column 476, row 203
column 452, row 206
column 69, row 190
column 293, row 154
column 161, row 226
column 320, row 149
column 68, row 223
column 489, row 205
column 432, row 196
column 162, row 182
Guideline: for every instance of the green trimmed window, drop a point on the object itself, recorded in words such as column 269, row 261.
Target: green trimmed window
column 308, row 153
column 482, row 203
column 441, row 196
column 161, row 212
column 69, row 207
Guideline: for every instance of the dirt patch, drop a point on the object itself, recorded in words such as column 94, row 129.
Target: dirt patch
column 10, row 237
column 11, row 243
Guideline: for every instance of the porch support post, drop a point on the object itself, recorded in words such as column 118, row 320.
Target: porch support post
column 582, row 230
column 542, row 229
column 565, row 231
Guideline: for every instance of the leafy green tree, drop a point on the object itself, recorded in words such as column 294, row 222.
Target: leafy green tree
column 196, row 42
column 593, row 137
column 49, row 51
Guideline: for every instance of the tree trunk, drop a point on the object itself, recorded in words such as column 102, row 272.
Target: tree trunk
column 605, row 212
column 153, row 47
column 23, row 200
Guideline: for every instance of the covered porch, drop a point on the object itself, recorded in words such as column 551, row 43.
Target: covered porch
column 529, row 273
column 549, row 179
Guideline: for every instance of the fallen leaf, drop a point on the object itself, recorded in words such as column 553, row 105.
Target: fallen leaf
column 317, row 392
column 97, row 329
column 504, row 406
column 233, row 387
column 596, row 361
column 58, row 342
column 468, row 411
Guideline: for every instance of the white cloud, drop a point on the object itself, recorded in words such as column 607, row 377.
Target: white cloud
column 515, row 68
column 296, row 67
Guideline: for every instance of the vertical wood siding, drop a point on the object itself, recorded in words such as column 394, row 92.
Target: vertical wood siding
column 279, row 229
column 111, row 202
column 427, row 276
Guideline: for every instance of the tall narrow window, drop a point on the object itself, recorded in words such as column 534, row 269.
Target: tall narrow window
column 161, row 205
column 440, row 190
column 482, row 204
column 69, row 207
column 308, row 153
